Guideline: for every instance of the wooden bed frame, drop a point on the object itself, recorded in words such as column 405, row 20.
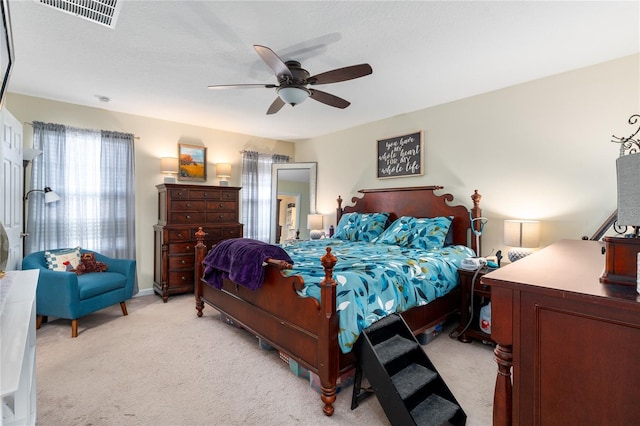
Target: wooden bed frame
column 307, row 330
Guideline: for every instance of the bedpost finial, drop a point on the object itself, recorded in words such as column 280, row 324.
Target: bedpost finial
column 200, row 234
column 328, row 262
column 476, row 197
column 339, row 200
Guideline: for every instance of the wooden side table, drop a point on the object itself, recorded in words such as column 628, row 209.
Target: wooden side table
column 481, row 296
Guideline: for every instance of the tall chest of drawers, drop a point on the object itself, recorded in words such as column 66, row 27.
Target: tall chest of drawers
column 181, row 210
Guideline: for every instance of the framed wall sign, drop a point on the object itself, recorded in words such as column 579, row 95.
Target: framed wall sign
column 401, row 156
column 192, row 162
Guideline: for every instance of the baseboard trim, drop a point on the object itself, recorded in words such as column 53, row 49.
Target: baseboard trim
column 144, row 292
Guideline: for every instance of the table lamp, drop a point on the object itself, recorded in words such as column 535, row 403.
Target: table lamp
column 315, row 224
column 169, row 167
column 522, row 236
column 223, row 171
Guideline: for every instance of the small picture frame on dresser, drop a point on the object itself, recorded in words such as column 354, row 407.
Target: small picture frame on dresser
column 192, row 162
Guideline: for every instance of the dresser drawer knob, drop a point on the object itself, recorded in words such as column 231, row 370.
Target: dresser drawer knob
column 180, row 234
column 188, row 216
column 188, row 247
column 183, row 262
column 221, row 204
column 183, row 278
column 188, row 204
column 221, row 216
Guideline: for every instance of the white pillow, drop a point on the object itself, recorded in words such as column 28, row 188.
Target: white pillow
column 62, row 260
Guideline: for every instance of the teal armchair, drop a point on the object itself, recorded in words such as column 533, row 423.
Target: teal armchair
column 70, row 296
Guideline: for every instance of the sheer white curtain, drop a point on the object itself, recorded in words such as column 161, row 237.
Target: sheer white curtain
column 256, row 193
column 93, row 173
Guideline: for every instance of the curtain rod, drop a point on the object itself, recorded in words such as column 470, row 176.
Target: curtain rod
column 31, row 124
column 242, row 151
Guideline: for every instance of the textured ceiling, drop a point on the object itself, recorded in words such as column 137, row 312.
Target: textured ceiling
column 162, row 55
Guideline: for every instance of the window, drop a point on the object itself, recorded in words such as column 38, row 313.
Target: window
column 93, row 173
column 256, row 193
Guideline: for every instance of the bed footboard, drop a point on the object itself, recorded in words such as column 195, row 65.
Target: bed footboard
column 301, row 327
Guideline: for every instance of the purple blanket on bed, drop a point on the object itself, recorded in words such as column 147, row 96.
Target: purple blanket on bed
column 240, row 260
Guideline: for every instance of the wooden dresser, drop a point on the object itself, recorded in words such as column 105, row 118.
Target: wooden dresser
column 181, row 210
column 573, row 342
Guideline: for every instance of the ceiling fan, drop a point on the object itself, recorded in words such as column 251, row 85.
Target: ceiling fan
column 293, row 81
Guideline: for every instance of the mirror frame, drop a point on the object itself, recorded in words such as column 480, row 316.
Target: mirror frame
column 313, row 182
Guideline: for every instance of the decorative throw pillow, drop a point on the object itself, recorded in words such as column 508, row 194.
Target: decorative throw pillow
column 62, row 260
column 398, row 233
column 347, row 227
column 361, row 226
column 371, row 225
column 429, row 233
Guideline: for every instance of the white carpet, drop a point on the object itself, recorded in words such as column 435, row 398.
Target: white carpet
column 161, row 365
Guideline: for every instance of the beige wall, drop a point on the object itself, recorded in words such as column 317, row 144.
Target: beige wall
column 155, row 139
column 539, row 150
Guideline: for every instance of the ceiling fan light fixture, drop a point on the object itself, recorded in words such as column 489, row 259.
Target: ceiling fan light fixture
column 293, row 95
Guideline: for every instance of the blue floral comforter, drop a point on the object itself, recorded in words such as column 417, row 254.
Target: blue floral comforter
column 375, row 280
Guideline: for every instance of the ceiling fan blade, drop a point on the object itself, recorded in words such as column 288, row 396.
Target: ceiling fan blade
column 241, row 86
column 275, row 63
column 275, row 106
column 341, row 74
column 329, row 99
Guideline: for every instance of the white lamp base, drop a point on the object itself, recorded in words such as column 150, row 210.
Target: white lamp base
column 518, row 253
column 316, row 235
column 169, row 179
column 223, row 183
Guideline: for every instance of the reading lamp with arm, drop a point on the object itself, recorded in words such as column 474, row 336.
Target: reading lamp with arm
column 49, row 197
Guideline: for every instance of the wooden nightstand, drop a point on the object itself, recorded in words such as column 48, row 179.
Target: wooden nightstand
column 482, row 296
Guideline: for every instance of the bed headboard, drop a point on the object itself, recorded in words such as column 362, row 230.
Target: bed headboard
column 417, row 201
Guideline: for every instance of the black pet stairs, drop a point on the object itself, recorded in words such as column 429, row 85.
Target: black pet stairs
column 408, row 386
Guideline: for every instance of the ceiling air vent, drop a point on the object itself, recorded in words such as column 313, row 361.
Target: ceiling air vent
column 103, row 12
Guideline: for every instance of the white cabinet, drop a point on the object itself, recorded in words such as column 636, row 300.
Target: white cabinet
column 18, row 347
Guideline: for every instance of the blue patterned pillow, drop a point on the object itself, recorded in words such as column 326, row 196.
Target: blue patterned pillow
column 429, row 233
column 398, row 233
column 347, row 227
column 371, row 225
column 361, row 226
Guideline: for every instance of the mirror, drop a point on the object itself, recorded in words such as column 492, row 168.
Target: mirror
column 294, row 186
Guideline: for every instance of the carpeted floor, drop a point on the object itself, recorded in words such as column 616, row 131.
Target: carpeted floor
column 161, row 365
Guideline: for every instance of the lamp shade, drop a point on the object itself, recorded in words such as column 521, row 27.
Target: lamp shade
column 315, row 224
column 628, row 174
column 314, row 221
column 522, row 233
column 28, row 154
column 223, row 170
column 50, row 196
column 293, row 95
column 169, row 165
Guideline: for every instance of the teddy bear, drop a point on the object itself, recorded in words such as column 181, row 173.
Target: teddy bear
column 88, row 263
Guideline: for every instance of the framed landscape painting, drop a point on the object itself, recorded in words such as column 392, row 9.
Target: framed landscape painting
column 192, row 162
